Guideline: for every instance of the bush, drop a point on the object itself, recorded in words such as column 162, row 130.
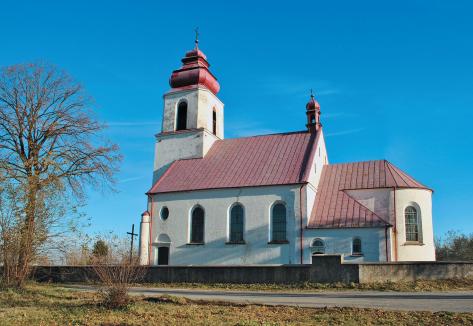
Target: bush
column 116, row 280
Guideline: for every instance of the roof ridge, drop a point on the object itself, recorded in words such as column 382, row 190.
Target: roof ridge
column 355, row 162
column 265, row 135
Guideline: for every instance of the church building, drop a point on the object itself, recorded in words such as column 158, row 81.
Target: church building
column 269, row 199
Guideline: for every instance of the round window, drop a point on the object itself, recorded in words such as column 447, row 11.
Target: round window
column 164, row 213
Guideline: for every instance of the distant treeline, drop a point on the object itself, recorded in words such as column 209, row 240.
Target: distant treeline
column 455, row 246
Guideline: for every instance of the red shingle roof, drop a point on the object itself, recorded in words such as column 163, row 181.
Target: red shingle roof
column 243, row 162
column 334, row 208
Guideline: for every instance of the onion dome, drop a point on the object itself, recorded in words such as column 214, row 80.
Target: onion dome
column 312, row 105
column 194, row 72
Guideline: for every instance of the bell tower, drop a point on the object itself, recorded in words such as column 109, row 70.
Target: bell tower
column 192, row 114
column 313, row 114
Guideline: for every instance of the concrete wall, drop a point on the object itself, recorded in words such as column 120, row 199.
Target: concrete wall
column 326, row 269
column 412, row 271
column 339, row 242
column 257, row 203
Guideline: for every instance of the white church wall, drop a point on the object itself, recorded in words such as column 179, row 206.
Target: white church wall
column 315, row 172
column 424, row 250
column 339, row 241
column 171, row 101
column 207, row 102
column 257, row 203
column 200, row 105
column 169, row 148
column 320, row 159
column 376, row 200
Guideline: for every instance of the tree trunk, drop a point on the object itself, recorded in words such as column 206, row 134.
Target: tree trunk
column 25, row 251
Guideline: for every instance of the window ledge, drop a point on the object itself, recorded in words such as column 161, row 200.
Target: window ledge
column 195, row 243
column 413, row 243
column 278, row 242
column 235, row 242
column 357, row 255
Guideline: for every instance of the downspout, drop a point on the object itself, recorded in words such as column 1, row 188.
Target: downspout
column 395, row 226
column 301, row 224
column 150, row 199
column 386, row 241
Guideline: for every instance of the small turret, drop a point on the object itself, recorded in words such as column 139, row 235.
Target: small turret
column 313, row 114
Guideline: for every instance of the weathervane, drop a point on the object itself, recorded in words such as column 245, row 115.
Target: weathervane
column 311, row 93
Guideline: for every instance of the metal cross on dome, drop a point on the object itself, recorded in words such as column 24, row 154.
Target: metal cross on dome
column 196, row 30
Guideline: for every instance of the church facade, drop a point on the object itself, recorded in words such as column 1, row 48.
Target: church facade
column 269, row 199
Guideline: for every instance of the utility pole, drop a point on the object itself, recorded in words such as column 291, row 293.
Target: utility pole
column 132, row 235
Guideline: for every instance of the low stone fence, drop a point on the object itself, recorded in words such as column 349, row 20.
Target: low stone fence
column 412, row 271
column 325, row 269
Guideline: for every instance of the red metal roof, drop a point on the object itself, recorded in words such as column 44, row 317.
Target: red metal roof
column 244, row 162
column 334, row 208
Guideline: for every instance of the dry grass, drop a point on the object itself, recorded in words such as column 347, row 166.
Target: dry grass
column 51, row 305
column 418, row 286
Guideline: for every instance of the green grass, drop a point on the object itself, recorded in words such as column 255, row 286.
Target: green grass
column 52, row 305
column 421, row 285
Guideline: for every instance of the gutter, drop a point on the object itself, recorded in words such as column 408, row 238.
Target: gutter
column 386, row 242
column 395, row 226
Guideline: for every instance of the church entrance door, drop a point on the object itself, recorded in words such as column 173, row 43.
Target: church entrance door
column 163, row 255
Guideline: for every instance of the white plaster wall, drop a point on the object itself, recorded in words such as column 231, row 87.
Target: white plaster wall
column 422, row 200
column 376, row 200
column 315, row 172
column 320, row 159
column 339, row 241
column 200, row 105
column 257, row 202
column 144, row 239
column 171, row 147
column 207, row 103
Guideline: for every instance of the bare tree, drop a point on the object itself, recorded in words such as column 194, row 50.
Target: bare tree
column 50, row 147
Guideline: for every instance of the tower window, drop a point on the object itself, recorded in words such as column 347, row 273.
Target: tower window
column 182, row 116
column 214, row 122
column 197, row 225
column 412, row 223
column 312, row 118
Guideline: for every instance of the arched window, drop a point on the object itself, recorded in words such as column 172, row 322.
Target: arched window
column 236, row 223
column 356, row 246
column 318, row 247
column 412, row 223
column 197, row 225
column 182, row 116
column 279, row 223
column 214, row 122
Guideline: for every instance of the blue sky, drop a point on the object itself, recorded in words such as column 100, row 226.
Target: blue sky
column 394, row 80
